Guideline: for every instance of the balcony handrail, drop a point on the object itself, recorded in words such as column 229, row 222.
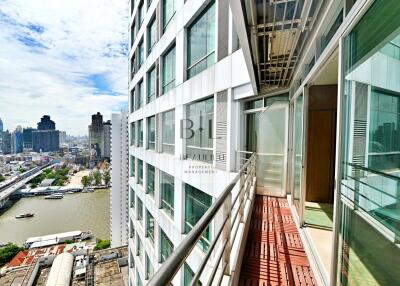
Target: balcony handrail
column 171, row 266
column 376, row 172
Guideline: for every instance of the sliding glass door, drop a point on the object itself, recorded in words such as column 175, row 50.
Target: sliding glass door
column 369, row 216
column 267, row 136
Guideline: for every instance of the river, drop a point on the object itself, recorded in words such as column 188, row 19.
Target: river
column 80, row 211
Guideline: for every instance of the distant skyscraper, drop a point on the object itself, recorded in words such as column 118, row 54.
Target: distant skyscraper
column 46, row 138
column 99, row 138
column 107, row 139
column 63, row 138
column 1, row 137
column 17, row 141
column 46, row 123
column 6, row 142
column 27, row 133
column 119, row 178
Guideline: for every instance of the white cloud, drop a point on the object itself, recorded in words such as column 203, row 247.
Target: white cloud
column 48, row 52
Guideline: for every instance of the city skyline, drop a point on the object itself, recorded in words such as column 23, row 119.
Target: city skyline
column 65, row 61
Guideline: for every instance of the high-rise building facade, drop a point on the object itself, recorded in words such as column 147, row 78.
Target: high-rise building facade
column 27, row 134
column 1, row 125
column 17, row 141
column 184, row 79
column 311, row 87
column 6, row 142
column 99, row 138
column 119, row 179
column 46, row 123
column 107, row 139
column 46, row 138
column 63, row 138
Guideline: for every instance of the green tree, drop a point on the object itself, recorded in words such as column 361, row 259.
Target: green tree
column 21, row 170
column 91, row 179
column 102, row 244
column 2, row 178
column 8, row 252
column 85, row 181
column 97, row 178
column 107, row 178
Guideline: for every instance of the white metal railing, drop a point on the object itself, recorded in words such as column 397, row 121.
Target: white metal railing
column 233, row 204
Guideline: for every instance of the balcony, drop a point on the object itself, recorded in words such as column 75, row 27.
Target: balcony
column 255, row 241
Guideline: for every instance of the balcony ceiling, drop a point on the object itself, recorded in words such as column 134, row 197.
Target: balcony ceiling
column 278, row 31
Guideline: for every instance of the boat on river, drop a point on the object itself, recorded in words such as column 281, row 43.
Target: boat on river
column 58, row 238
column 54, row 196
column 24, row 215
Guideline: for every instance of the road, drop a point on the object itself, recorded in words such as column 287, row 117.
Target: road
column 5, row 193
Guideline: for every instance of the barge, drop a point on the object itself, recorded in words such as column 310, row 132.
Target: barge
column 53, row 239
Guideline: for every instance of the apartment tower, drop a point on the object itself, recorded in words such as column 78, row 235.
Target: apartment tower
column 119, row 179
column 312, row 88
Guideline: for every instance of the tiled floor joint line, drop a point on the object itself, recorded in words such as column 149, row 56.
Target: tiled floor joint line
column 274, row 252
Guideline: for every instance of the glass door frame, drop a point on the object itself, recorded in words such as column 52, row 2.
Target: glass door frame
column 287, row 142
column 298, row 213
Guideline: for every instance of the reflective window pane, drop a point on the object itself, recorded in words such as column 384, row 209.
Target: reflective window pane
column 167, row 194
column 168, row 70
column 201, row 42
column 370, row 181
column 151, row 133
column 166, row 246
column 168, row 9
column 150, row 179
column 196, row 204
column 168, row 132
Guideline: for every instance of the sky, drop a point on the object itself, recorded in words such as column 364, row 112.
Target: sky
column 63, row 58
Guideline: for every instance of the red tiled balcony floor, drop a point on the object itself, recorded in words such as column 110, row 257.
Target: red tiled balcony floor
column 274, row 252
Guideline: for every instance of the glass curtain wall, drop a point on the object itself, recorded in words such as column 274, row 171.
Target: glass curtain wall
column 140, row 133
column 167, row 194
column 149, row 268
column 140, row 251
column 133, row 134
column 140, row 171
column 166, row 246
column 168, row 10
column 201, row 42
column 141, row 54
column 139, row 214
column 168, row 132
column 188, row 275
column 150, row 179
column 196, row 204
column 369, row 220
column 168, row 70
column 149, row 227
column 140, row 96
column 152, row 35
column 132, row 167
column 151, row 133
column 199, row 130
column 151, row 85
column 140, row 14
